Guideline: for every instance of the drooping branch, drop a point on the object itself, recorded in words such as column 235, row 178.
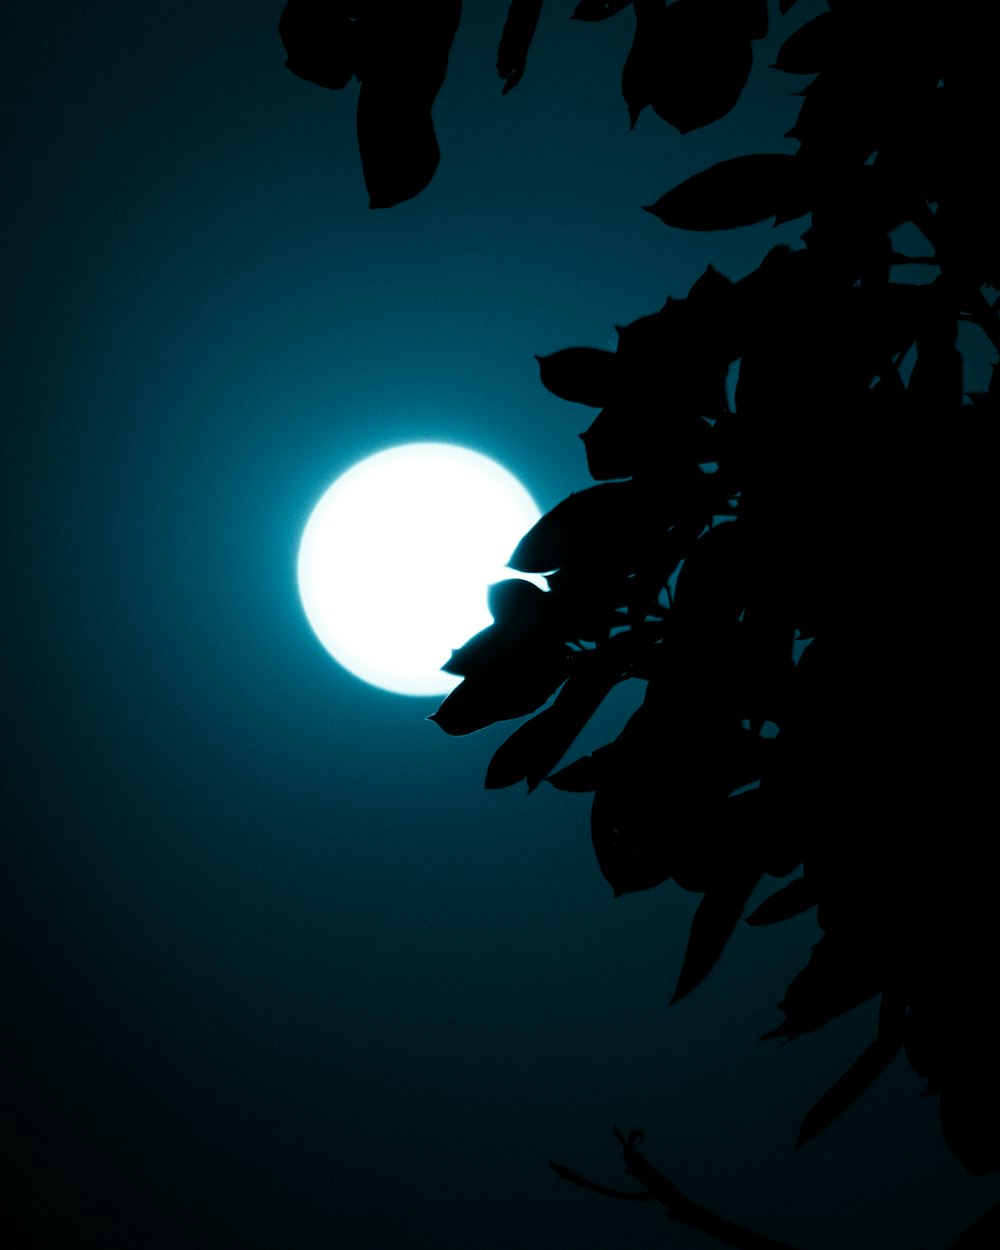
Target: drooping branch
column 658, row 1188
column 627, row 1195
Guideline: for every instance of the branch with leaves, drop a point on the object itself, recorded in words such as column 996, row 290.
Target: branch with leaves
column 784, row 545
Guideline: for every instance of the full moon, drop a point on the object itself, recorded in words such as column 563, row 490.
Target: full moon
column 397, row 555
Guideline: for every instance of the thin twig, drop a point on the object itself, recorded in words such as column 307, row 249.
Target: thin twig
column 666, row 1192
column 627, row 1195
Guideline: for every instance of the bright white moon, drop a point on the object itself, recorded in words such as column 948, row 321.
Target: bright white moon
column 397, row 555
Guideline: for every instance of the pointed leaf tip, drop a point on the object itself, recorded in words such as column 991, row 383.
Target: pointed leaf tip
column 737, row 192
column 870, row 1064
column 712, row 926
column 582, row 375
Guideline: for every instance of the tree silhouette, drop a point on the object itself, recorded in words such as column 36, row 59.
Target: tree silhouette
column 792, row 564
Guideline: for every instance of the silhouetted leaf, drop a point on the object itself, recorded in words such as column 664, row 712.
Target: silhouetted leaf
column 631, row 854
column 640, row 69
column 524, row 626
column 588, row 599
column 712, row 926
column 585, row 774
column 792, row 900
column 583, row 375
column 838, row 976
column 708, row 70
column 841, row 118
column 717, row 581
column 869, row 1065
column 399, row 150
column 669, row 376
column 892, row 1017
column 689, row 60
column 610, row 452
column 807, row 49
column 518, row 32
column 682, row 352
column 407, row 58
column 785, row 5
column 516, row 690
column 588, row 527
column 970, row 1106
column 519, row 605
column 737, row 192
column 534, row 749
column 322, row 41
column 984, row 1234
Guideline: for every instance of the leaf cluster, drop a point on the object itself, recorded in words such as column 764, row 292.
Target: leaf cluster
column 399, row 54
column 784, row 541
column 790, row 570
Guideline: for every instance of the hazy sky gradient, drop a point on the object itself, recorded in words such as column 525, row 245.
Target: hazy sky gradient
column 284, row 974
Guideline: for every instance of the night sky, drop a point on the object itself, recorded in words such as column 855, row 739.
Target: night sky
column 281, row 972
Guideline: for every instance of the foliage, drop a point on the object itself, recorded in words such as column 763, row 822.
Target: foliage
column 792, row 566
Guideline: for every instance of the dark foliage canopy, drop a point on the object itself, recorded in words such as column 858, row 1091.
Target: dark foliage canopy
column 794, row 567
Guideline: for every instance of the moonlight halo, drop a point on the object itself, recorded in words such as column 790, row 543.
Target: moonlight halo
column 396, row 557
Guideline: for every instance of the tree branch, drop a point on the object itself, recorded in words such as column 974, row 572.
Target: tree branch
column 626, row 1195
column 678, row 1206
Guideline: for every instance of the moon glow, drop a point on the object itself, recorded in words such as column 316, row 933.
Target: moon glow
column 396, row 557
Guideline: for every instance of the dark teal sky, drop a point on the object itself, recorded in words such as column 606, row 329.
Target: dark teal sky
column 283, row 974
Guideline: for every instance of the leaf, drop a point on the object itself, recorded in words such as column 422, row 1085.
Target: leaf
column 841, row 118
column 398, row 146
column 534, row 749
column 582, row 375
column 628, row 843
column 689, row 60
column 704, row 64
column 588, row 599
column 322, row 41
column 640, row 68
column 785, row 5
column 609, row 445
column 519, row 605
column 707, row 93
column 406, row 64
column 840, row 974
column 970, row 1109
column 868, row 1066
column 983, row 1234
column 518, row 31
column 791, row 900
column 892, row 1018
column 524, row 628
column 486, row 698
column 808, row 49
column 598, row 10
column 717, row 916
column 584, row 774
column 737, row 192
column 595, row 525
column 717, row 579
